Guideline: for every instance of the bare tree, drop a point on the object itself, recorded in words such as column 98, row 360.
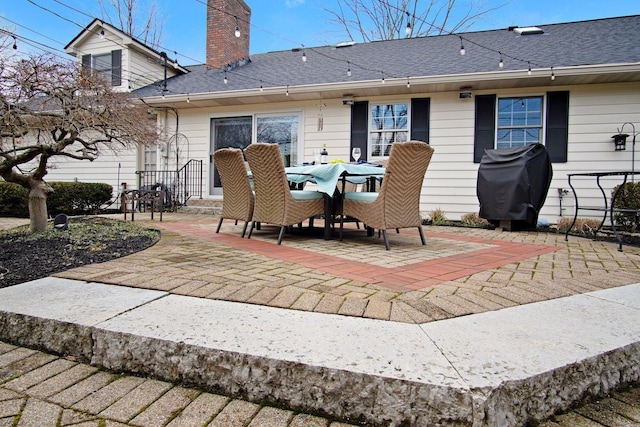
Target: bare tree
column 370, row 20
column 126, row 15
column 50, row 108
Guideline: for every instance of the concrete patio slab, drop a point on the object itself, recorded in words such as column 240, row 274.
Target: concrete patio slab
column 57, row 314
column 504, row 367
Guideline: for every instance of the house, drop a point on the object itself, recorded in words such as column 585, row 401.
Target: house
column 569, row 86
column 129, row 64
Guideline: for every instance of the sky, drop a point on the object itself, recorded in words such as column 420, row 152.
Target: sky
column 276, row 24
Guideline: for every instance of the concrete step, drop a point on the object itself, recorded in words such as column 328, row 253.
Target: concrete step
column 202, row 206
column 500, row 368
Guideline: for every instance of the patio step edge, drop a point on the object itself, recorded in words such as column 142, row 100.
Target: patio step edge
column 309, row 361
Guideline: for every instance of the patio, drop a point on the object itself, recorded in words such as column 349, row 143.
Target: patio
column 460, row 271
column 386, row 299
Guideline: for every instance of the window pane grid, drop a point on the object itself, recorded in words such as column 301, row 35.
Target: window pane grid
column 519, row 121
column 389, row 124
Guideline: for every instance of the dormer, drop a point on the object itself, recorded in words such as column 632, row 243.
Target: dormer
column 128, row 63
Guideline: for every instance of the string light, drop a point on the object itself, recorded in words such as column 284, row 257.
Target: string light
column 462, row 50
column 501, row 63
column 407, row 30
column 15, row 43
column 304, row 55
column 529, row 70
column 348, row 69
column 287, row 92
column 237, row 32
column 553, row 75
column 101, row 35
column 225, row 77
column 383, row 81
column 408, row 82
column 188, row 99
column 261, row 88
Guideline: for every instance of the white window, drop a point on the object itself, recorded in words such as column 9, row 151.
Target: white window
column 281, row 130
column 150, row 157
column 519, row 121
column 389, row 124
column 275, row 128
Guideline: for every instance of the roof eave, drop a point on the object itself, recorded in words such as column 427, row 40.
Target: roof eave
column 585, row 74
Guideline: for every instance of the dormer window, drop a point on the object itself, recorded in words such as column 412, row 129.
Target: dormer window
column 108, row 65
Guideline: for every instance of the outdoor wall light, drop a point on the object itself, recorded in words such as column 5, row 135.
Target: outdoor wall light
column 620, row 141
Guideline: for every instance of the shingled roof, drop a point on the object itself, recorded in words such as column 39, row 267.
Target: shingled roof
column 572, row 49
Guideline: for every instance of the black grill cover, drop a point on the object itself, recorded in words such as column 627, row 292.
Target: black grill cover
column 513, row 183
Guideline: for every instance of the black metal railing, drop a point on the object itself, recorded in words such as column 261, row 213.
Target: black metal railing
column 178, row 186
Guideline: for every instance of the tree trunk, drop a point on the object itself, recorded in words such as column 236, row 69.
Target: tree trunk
column 39, row 190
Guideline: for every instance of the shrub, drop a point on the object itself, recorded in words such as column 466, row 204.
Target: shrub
column 438, row 217
column 68, row 197
column 14, row 200
column 78, row 197
column 472, row 219
column 582, row 225
column 628, row 197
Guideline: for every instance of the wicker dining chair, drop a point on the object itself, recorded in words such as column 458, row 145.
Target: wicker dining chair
column 238, row 199
column 275, row 202
column 397, row 205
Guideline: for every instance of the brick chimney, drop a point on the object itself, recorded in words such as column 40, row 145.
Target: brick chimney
column 223, row 47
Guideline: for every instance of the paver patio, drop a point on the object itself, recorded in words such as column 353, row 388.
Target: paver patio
column 460, row 271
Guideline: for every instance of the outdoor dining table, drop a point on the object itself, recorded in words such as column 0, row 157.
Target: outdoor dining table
column 327, row 176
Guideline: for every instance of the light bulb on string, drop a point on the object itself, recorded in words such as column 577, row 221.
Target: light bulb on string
column 348, row 69
column 407, row 30
column 261, row 88
column 553, row 75
column 501, row 63
column 101, row 35
column 304, row 55
column 462, row 49
column 408, row 82
column 529, row 70
column 237, row 32
column 287, row 93
column 225, row 77
column 188, row 99
column 15, row 43
column 383, row 81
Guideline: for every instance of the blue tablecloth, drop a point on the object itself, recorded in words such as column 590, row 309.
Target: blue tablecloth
column 326, row 176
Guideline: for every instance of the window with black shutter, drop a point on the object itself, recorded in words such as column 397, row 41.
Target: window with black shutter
column 520, row 123
column 108, row 65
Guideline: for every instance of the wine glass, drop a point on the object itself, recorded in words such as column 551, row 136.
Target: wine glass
column 316, row 156
column 356, row 154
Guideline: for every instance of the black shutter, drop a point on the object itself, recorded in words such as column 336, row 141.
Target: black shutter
column 557, row 131
column 485, row 126
column 116, row 67
column 360, row 127
column 86, row 63
column 420, row 119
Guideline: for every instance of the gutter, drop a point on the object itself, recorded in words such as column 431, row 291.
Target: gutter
column 396, row 83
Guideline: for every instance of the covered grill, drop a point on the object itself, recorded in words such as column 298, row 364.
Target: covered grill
column 513, row 184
